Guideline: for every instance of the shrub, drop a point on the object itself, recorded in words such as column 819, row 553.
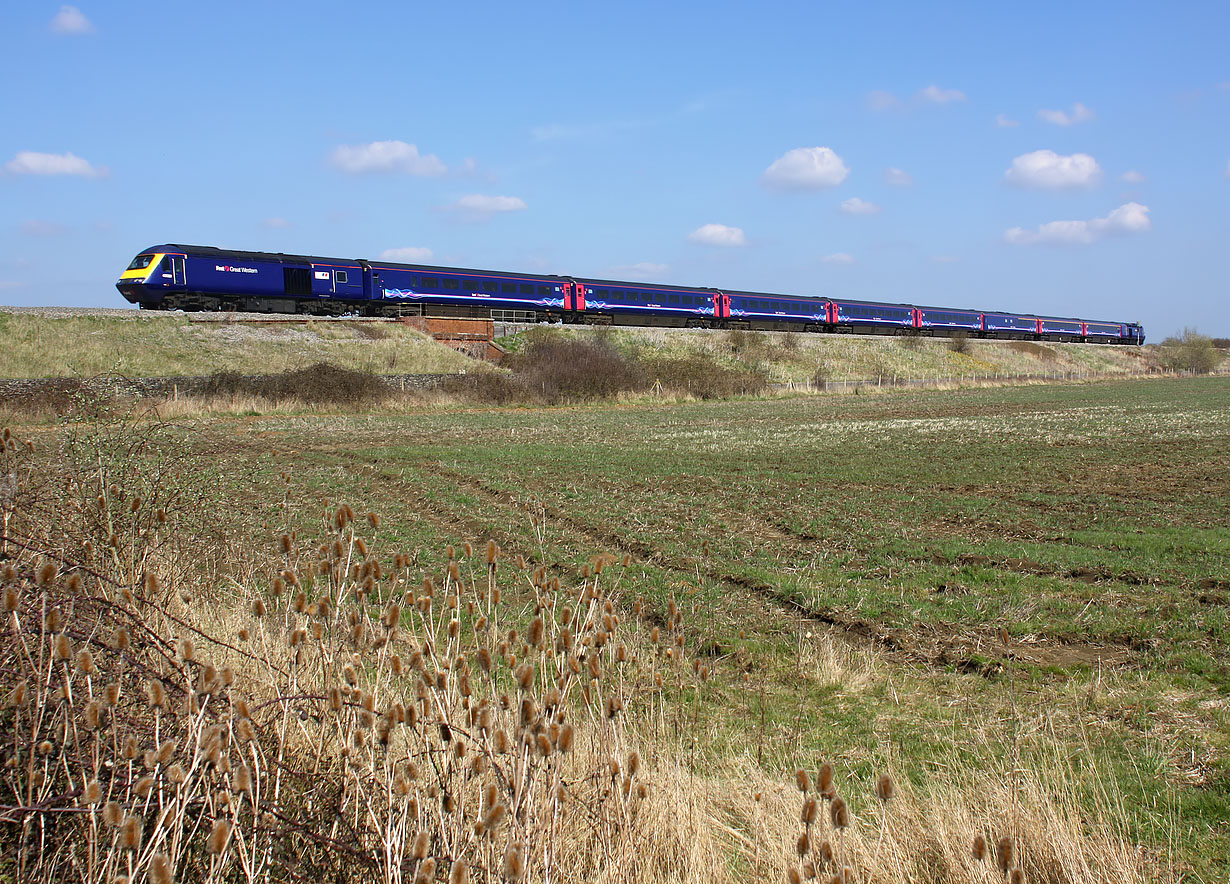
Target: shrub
column 319, row 384
column 1190, row 351
column 559, row 368
column 959, row 342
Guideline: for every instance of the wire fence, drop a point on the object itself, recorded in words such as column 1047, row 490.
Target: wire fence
column 975, row 379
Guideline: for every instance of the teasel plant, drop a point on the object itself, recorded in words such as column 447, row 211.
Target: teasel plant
column 360, row 719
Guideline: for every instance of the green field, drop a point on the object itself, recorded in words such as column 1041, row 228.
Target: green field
column 1088, row 523
column 1029, row 583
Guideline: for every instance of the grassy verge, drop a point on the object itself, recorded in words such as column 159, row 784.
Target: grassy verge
column 1013, row 600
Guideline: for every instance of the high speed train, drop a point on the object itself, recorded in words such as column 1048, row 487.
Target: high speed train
column 179, row 277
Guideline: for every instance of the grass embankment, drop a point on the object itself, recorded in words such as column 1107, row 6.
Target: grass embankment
column 795, row 357
column 156, row 345
column 1013, row 600
column 161, row 345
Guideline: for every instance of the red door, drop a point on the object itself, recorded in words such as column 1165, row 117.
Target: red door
column 721, row 305
column 567, row 296
column 579, row 300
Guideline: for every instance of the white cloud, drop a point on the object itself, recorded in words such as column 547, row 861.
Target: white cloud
column 277, row 223
column 385, row 157
column 879, row 100
column 805, row 168
column 1079, row 114
column 898, row 177
column 481, row 204
column 718, row 235
column 1004, row 122
column 856, row 206
column 642, row 270
column 936, row 95
column 13, row 284
column 1132, row 177
column 838, row 258
column 70, row 20
column 1047, row 170
column 1128, row 218
column 406, row 254
column 35, row 227
column 29, row 162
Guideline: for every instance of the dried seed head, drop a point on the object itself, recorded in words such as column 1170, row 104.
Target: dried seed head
column 157, row 694
column 514, row 861
column 811, row 811
column 185, row 650
column 176, row 774
column 93, row 714
column 885, row 788
column 459, row 873
column 46, row 573
column 12, row 598
column 1016, row 877
column 19, row 695
column 494, row 816
column 143, row 786
column 421, row 842
column 824, row 781
column 1003, row 854
column 166, row 750
column 92, row 793
column 130, row 832
column 242, row 779
column 160, row 870
column 980, row 847
column 112, row 814
column 62, row 647
column 219, row 836
column 802, row 780
column 839, row 814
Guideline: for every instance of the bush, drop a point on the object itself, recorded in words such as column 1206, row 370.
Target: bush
column 1190, row 351
column 320, row 384
column 959, row 342
column 559, row 368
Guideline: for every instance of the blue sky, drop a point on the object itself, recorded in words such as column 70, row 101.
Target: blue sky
column 1058, row 158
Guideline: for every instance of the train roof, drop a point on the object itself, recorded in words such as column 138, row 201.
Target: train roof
column 859, row 303
column 283, row 258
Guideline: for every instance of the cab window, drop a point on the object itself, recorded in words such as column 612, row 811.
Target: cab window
column 140, row 262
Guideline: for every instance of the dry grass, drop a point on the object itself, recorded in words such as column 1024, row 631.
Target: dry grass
column 182, row 705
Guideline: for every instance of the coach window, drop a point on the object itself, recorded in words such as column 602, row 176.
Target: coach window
column 508, row 288
column 527, row 289
column 430, row 282
column 452, row 284
column 602, row 293
column 544, row 290
column 491, row 287
column 340, row 276
column 470, row 285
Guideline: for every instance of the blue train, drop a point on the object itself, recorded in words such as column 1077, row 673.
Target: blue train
column 176, row 277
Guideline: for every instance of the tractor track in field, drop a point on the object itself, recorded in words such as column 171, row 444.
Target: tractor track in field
column 939, row 646
column 930, row 644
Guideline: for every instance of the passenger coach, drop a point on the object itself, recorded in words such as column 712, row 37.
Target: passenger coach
column 177, row 277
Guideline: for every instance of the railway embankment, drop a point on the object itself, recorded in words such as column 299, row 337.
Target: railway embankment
column 167, row 353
